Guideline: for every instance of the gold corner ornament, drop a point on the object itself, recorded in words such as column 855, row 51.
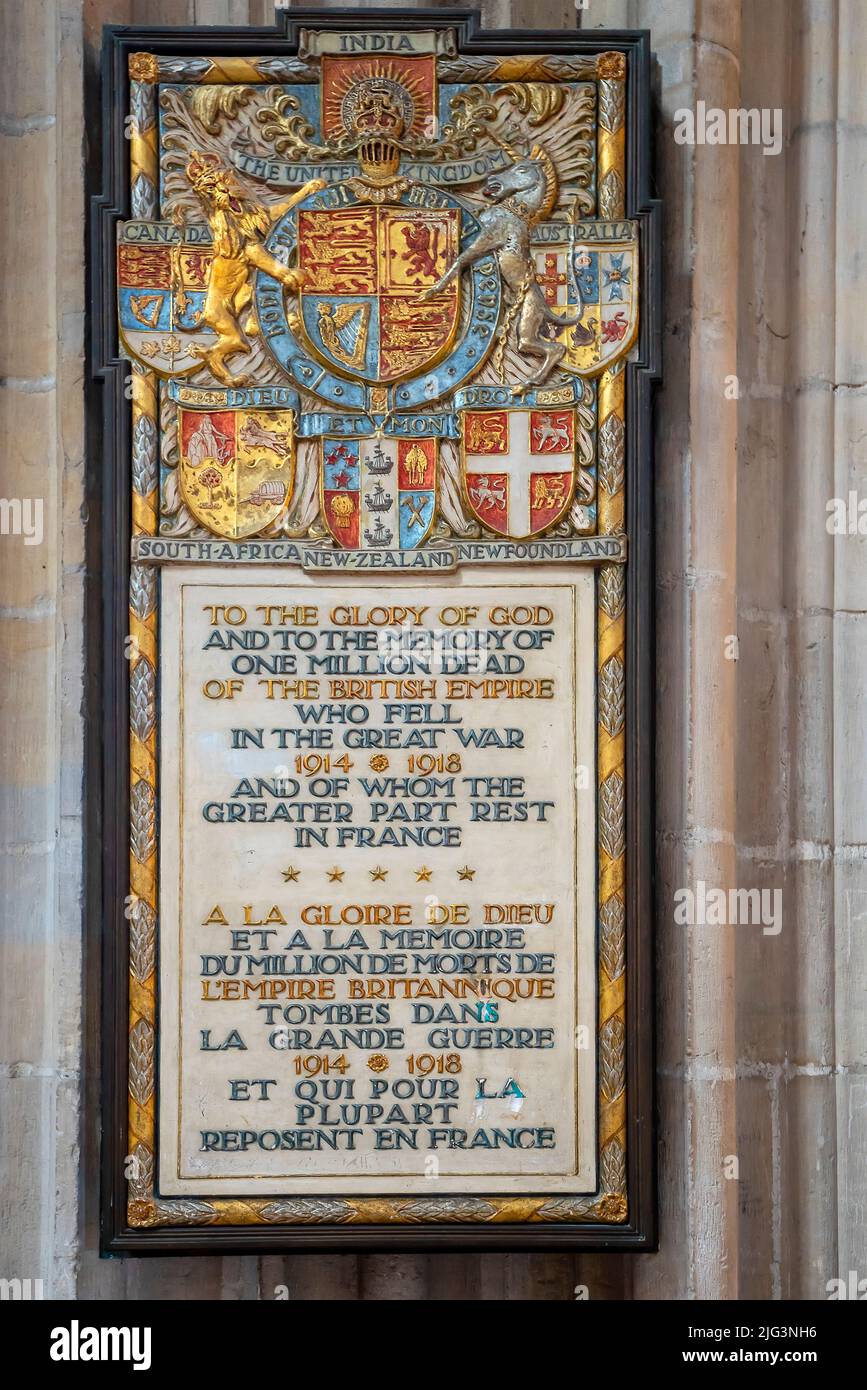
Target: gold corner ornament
column 144, row 67
column 611, row 66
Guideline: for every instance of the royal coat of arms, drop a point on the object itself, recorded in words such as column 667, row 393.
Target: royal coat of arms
column 379, row 287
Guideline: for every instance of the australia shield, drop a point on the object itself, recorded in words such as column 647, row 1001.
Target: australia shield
column 161, row 289
column 518, row 468
column 380, row 493
column 364, row 269
column 237, row 467
column 601, row 279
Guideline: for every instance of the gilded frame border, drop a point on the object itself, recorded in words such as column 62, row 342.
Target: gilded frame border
column 622, row 1213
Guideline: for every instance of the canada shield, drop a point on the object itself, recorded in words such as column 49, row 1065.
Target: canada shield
column 237, row 467
column 380, row 493
column 364, row 270
column 518, row 468
column 161, row 288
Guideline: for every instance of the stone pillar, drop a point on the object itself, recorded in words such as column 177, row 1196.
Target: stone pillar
column 850, row 652
column 762, row 983
column 699, row 53
column 806, row 1010
column 41, row 632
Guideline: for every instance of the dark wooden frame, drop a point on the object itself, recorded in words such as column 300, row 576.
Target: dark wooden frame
column 108, row 453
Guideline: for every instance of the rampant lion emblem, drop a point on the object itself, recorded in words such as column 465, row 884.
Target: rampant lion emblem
column 238, row 227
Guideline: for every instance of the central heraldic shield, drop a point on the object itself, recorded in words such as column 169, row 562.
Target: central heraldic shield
column 364, row 269
column 519, row 468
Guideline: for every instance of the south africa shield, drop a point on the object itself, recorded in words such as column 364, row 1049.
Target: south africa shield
column 364, row 269
column 380, row 493
column 237, row 467
column 518, row 468
column 162, row 282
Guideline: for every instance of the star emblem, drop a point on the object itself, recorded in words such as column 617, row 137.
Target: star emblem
column 290, row 875
column 616, row 276
column 378, row 874
column 466, row 872
column 336, row 875
column 423, row 875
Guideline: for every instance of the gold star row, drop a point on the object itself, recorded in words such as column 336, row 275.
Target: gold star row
column 378, row 875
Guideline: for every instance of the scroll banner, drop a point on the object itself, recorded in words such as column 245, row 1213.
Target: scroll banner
column 280, row 173
column 233, row 397
column 318, row 43
column 568, row 393
column 322, row 422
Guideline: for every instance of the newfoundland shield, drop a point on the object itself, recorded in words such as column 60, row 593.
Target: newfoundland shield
column 518, row 468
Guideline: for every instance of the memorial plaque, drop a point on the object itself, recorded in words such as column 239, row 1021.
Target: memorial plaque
column 376, row 329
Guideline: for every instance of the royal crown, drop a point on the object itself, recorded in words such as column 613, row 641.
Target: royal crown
column 206, row 173
column 378, row 123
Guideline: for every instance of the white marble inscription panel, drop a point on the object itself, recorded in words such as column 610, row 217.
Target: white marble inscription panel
column 377, row 883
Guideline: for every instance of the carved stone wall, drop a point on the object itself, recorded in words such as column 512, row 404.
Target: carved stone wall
column 762, row 1038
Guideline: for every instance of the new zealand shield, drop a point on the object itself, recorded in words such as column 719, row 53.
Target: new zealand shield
column 379, row 493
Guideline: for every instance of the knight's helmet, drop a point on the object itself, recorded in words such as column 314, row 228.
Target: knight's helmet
column 377, row 116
